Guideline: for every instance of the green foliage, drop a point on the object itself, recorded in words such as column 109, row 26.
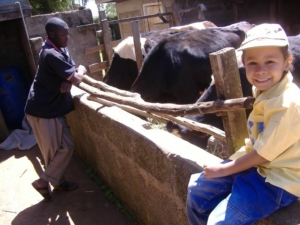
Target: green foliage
column 49, row 6
column 111, row 14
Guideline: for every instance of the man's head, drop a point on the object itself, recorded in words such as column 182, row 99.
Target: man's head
column 58, row 32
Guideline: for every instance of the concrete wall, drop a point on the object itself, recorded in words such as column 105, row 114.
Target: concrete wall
column 148, row 169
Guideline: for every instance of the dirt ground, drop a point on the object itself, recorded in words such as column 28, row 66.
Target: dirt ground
column 20, row 204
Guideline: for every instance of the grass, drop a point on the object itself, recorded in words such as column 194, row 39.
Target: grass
column 108, row 192
column 154, row 124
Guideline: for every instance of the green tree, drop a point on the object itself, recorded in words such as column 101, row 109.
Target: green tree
column 49, row 6
column 111, row 12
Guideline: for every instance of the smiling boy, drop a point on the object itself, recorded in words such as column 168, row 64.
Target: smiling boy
column 264, row 175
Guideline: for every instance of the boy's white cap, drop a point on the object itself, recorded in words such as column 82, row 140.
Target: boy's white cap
column 265, row 34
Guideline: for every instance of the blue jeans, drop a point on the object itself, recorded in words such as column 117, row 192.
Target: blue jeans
column 239, row 199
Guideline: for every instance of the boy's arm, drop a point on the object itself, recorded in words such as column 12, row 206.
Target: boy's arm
column 243, row 163
column 76, row 78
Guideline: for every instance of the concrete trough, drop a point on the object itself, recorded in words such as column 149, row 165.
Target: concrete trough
column 148, row 169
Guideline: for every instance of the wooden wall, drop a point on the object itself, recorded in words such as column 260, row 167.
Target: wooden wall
column 220, row 12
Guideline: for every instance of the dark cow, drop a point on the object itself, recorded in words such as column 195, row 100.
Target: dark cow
column 178, row 68
column 123, row 69
column 210, row 94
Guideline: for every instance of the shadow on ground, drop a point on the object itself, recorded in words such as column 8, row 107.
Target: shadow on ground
column 20, row 204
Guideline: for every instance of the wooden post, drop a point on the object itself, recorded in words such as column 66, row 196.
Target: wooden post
column 235, row 12
column 176, row 16
column 27, row 48
column 36, row 46
column 106, row 36
column 137, row 43
column 3, row 129
column 272, row 11
column 228, row 85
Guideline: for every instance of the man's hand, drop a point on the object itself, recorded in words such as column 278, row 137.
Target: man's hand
column 78, row 75
column 81, row 69
column 65, row 86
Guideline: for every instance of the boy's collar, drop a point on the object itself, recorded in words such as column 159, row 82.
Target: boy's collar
column 53, row 45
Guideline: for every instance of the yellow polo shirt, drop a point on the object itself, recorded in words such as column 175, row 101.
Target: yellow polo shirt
column 274, row 132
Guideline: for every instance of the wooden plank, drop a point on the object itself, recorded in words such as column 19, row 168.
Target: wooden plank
column 96, row 26
column 273, row 11
column 115, row 43
column 93, row 49
column 98, row 48
column 106, row 37
column 235, row 12
column 228, row 85
column 27, row 48
column 98, row 66
column 137, row 44
column 125, row 28
column 107, row 41
column 3, row 129
column 139, row 18
column 36, row 46
column 176, row 15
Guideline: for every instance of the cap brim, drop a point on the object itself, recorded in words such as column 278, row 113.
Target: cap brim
column 263, row 43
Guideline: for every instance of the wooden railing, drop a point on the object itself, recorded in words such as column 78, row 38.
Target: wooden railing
column 106, row 44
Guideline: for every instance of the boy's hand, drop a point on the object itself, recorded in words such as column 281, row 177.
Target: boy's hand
column 213, row 171
column 81, row 69
column 65, row 86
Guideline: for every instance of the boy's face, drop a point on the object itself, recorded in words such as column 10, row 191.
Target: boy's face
column 265, row 66
column 60, row 37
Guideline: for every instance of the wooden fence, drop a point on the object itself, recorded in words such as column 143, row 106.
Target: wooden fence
column 223, row 64
column 106, row 45
column 228, row 86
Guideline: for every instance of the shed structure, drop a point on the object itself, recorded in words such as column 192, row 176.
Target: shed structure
column 220, row 12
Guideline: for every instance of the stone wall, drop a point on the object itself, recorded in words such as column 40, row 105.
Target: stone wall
column 148, row 169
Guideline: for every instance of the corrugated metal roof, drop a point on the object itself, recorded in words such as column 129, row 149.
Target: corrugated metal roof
column 7, row 6
column 10, row 9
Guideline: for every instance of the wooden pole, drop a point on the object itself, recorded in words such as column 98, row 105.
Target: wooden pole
column 176, row 16
column 26, row 43
column 228, row 85
column 36, row 46
column 137, row 43
column 272, row 11
column 106, row 37
column 235, row 12
column 139, row 18
column 134, row 100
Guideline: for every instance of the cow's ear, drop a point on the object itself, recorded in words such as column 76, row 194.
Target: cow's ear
column 240, row 33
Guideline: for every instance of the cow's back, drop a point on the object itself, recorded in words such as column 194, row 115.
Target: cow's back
column 177, row 69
